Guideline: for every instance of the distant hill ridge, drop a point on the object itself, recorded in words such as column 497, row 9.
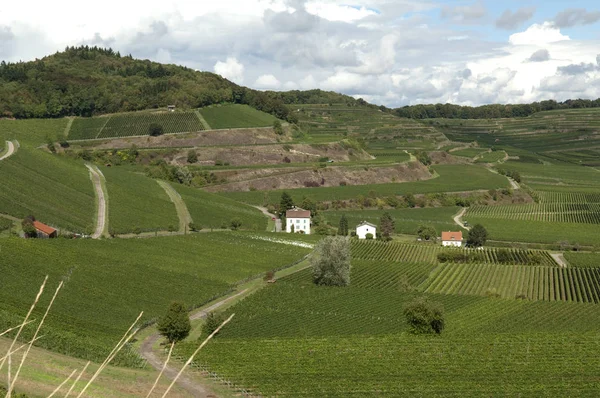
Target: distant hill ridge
column 86, row 81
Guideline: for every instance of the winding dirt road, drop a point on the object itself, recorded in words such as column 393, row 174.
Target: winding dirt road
column 96, row 176
column 458, row 219
column 266, row 213
column 194, row 387
column 11, row 150
column 182, row 211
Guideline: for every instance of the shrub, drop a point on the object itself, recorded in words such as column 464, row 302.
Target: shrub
column 192, row 156
column 424, row 316
column 213, row 321
column 155, row 130
column 277, row 127
column 269, row 275
column 235, row 224
column 369, row 236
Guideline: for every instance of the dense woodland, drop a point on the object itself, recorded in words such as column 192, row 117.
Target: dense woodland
column 86, row 81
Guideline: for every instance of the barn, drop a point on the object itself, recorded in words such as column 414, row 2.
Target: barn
column 365, row 228
column 44, row 231
column 452, row 239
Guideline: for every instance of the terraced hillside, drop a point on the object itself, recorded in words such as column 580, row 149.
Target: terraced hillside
column 229, row 116
column 294, row 330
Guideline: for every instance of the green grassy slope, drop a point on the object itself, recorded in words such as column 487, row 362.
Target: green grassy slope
column 136, row 201
column 108, row 282
column 235, row 116
column 212, row 211
column 55, row 190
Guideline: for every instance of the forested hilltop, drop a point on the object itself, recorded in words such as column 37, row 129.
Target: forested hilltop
column 86, row 81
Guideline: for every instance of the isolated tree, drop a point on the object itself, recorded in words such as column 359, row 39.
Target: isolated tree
column 175, row 325
column 277, row 127
column 213, row 321
column 286, row 203
column 331, row 262
column 192, row 156
column 424, row 316
column 386, row 226
column 427, row 232
column 235, row 224
column 477, row 236
column 155, row 130
column 343, row 227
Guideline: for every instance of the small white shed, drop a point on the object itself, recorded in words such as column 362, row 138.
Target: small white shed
column 365, row 228
column 452, row 239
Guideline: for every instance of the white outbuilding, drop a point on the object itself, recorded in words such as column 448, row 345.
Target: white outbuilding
column 298, row 219
column 452, row 239
column 365, row 228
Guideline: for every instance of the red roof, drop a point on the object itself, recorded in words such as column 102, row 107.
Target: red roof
column 452, row 236
column 43, row 228
column 297, row 213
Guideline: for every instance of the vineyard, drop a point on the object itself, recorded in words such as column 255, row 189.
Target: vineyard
column 133, row 124
column 108, row 282
column 235, row 116
column 586, row 260
column 533, row 283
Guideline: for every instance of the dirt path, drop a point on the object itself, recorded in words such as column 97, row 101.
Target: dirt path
column 202, row 120
column 11, row 149
column 266, row 213
column 68, row 128
column 458, row 219
column 97, row 178
column 182, row 211
column 194, row 387
column 513, row 183
column 560, row 259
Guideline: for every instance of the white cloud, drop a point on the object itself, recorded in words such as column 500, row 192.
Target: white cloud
column 338, row 12
column 267, row 82
column 231, row 69
column 538, row 34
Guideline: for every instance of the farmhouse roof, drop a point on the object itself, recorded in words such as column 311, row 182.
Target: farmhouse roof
column 366, row 223
column 43, row 228
column 297, row 212
column 452, row 236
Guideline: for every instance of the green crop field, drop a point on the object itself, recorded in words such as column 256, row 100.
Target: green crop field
column 133, row 124
column 407, row 221
column 296, row 339
column 55, row 190
column 108, row 282
column 452, row 178
column 583, row 260
column 31, row 132
column 469, row 152
column 137, row 202
column 491, row 157
column 235, row 116
column 212, row 211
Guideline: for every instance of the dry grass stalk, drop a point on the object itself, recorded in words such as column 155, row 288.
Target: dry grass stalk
column 190, row 359
column 62, row 384
column 26, row 319
column 24, row 357
column 162, row 370
column 9, row 363
column 124, row 340
column 15, row 327
column 77, row 379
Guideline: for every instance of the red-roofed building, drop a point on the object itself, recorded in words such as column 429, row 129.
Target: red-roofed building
column 452, row 239
column 44, row 231
column 298, row 219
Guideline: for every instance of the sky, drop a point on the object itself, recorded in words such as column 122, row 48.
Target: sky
column 390, row 52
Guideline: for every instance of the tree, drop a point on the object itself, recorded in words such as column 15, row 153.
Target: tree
column 427, row 232
column 155, row 130
column 28, row 228
column 343, row 227
column 477, row 236
column 285, row 204
column 175, row 325
column 308, row 204
column 386, row 226
column 213, row 321
column 192, row 156
column 424, row 316
column 410, row 200
column 277, row 127
column 331, row 262
column 193, row 227
column 235, row 224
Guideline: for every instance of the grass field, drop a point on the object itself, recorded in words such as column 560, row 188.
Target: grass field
column 583, row 260
column 407, row 221
column 452, row 178
column 55, row 190
column 235, row 116
column 469, row 152
column 31, row 132
column 212, row 211
column 491, row 157
column 109, row 282
column 137, row 202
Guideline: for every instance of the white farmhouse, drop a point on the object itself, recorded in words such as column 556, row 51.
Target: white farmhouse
column 299, row 219
column 452, row 239
column 365, row 228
